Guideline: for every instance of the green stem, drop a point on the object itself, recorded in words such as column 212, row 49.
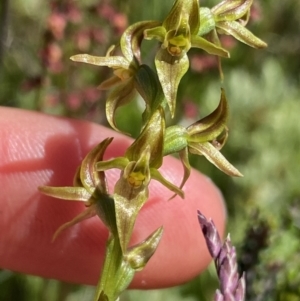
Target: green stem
column 116, row 273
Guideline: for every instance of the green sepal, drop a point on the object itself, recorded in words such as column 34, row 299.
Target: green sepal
column 66, row 193
column 199, row 42
column 109, row 61
column 90, row 177
column 120, row 96
column 170, row 71
column 184, row 13
column 152, row 136
column 139, row 255
column 242, row 34
column 212, row 154
column 131, row 39
column 87, row 213
column 211, row 126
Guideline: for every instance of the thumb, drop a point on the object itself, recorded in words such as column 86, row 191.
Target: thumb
column 36, row 150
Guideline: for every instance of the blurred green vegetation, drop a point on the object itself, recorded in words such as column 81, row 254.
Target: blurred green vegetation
column 263, row 89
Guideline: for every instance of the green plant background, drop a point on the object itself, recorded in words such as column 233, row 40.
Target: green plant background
column 263, row 89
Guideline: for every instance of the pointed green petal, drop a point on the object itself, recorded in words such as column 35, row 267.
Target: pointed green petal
column 156, row 175
column 170, row 71
column 89, row 175
column 120, row 96
column 109, row 61
column 66, row 193
column 86, row 214
column 131, row 39
column 119, row 163
column 199, row 42
column 215, row 157
column 211, row 126
column 241, row 33
column 139, row 255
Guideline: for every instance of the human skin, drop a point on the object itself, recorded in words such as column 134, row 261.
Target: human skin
column 36, row 150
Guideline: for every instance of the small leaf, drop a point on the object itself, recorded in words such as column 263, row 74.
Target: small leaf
column 139, row 255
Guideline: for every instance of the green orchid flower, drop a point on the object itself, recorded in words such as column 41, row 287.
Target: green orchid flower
column 205, row 137
column 178, row 33
column 139, row 165
column 89, row 187
column 124, row 66
column 229, row 17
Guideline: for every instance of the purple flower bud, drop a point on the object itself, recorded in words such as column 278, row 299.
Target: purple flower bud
column 232, row 287
column 211, row 235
